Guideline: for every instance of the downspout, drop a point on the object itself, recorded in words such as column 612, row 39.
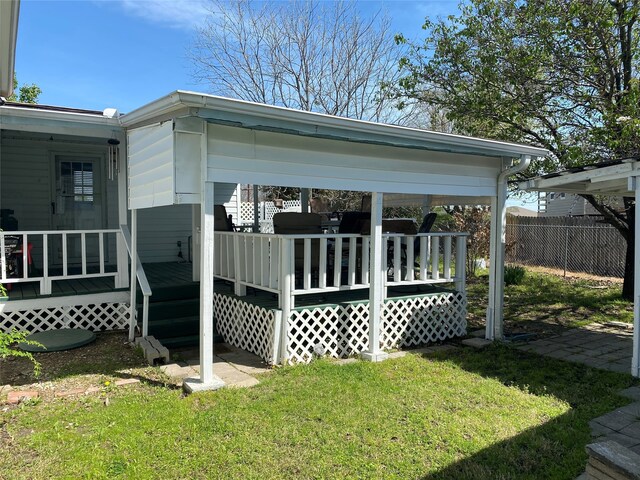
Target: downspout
column 498, row 234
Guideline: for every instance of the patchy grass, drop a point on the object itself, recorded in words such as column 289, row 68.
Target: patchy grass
column 499, row 413
column 546, row 303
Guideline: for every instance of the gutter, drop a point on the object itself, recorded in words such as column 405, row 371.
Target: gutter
column 494, row 323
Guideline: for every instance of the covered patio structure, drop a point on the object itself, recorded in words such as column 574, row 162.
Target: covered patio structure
column 185, row 144
column 614, row 178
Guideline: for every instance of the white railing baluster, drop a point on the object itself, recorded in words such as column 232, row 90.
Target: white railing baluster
column 322, row 268
column 83, row 252
column 101, row 250
column 410, row 274
column 337, row 262
column 274, row 263
column 397, row 258
column 353, row 244
column 45, row 256
column 25, row 258
column 435, row 258
column 64, row 254
column 364, row 277
column 424, row 259
column 238, row 268
column 3, row 258
column 447, row 258
column 264, row 249
column 306, row 279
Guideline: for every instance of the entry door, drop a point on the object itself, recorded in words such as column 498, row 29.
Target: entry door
column 78, row 205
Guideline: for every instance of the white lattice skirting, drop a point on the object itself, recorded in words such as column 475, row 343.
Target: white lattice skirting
column 98, row 317
column 245, row 325
column 341, row 331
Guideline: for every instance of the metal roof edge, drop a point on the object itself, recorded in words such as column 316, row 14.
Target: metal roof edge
column 182, row 98
column 63, row 116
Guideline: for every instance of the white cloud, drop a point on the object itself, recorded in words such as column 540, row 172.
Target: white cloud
column 184, row 14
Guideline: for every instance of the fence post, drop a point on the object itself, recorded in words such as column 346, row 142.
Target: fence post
column 566, row 250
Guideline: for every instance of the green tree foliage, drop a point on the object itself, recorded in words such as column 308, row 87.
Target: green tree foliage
column 561, row 74
column 8, row 340
column 27, row 93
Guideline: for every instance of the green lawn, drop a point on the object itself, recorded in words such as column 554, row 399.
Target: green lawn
column 498, row 413
column 548, row 303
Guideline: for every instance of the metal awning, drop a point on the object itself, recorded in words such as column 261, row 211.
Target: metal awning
column 606, row 178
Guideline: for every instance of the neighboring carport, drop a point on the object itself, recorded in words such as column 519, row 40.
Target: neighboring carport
column 615, row 178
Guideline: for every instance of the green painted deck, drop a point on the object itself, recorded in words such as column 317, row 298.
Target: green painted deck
column 163, row 276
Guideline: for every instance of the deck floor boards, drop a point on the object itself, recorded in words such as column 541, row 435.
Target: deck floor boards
column 161, row 275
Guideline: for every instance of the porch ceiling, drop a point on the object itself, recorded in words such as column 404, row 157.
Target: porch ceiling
column 610, row 178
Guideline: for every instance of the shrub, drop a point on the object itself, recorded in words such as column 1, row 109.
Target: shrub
column 514, row 274
column 8, row 340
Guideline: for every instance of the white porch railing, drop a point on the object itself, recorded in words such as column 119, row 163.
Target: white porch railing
column 46, row 256
column 335, row 262
column 145, row 288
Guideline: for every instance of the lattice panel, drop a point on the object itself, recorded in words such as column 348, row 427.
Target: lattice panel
column 337, row 331
column 244, row 325
column 99, row 317
column 416, row 321
column 246, row 212
column 341, row 331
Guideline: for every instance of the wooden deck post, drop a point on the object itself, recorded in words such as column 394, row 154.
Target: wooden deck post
column 134, row 265
column 287, row 301
column 256, row 210
column 374, row 353
column 635, row 358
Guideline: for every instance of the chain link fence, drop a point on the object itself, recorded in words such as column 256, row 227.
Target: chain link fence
column 568, row 244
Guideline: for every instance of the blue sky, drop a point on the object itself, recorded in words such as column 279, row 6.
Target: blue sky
column 125, row 53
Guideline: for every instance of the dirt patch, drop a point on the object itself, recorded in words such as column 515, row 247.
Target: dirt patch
column 98, row 364
column 604, row 281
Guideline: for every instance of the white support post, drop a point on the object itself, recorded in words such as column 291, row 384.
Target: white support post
column 494, row 325
column 122, row 279
column 635, row 359
column 134, row 264
column 286, row 297
column 207, row 380
column 374, row 353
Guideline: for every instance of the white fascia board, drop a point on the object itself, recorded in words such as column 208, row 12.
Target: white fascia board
column 9, row 13
column 73, row 123
column 595, row 175
column 180, row 99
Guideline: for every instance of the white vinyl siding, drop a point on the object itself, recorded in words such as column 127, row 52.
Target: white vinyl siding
column 160, row 228
column 150, row 165
column 268, row 158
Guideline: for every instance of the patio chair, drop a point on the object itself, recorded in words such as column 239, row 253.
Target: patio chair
column 222, row 221
column 294, row 223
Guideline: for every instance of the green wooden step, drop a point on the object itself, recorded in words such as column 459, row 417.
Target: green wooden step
column 171, row 309
column 187, row 341
column 177, row 292
column 174, row 327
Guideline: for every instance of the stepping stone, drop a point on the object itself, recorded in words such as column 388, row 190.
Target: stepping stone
column 18, row 396
column 632, row 392
column 476, row 342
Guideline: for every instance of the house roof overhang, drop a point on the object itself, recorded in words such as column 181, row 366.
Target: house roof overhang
column 58, row 120
column 257, row 116
column 607, row 178
column 9, row 12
